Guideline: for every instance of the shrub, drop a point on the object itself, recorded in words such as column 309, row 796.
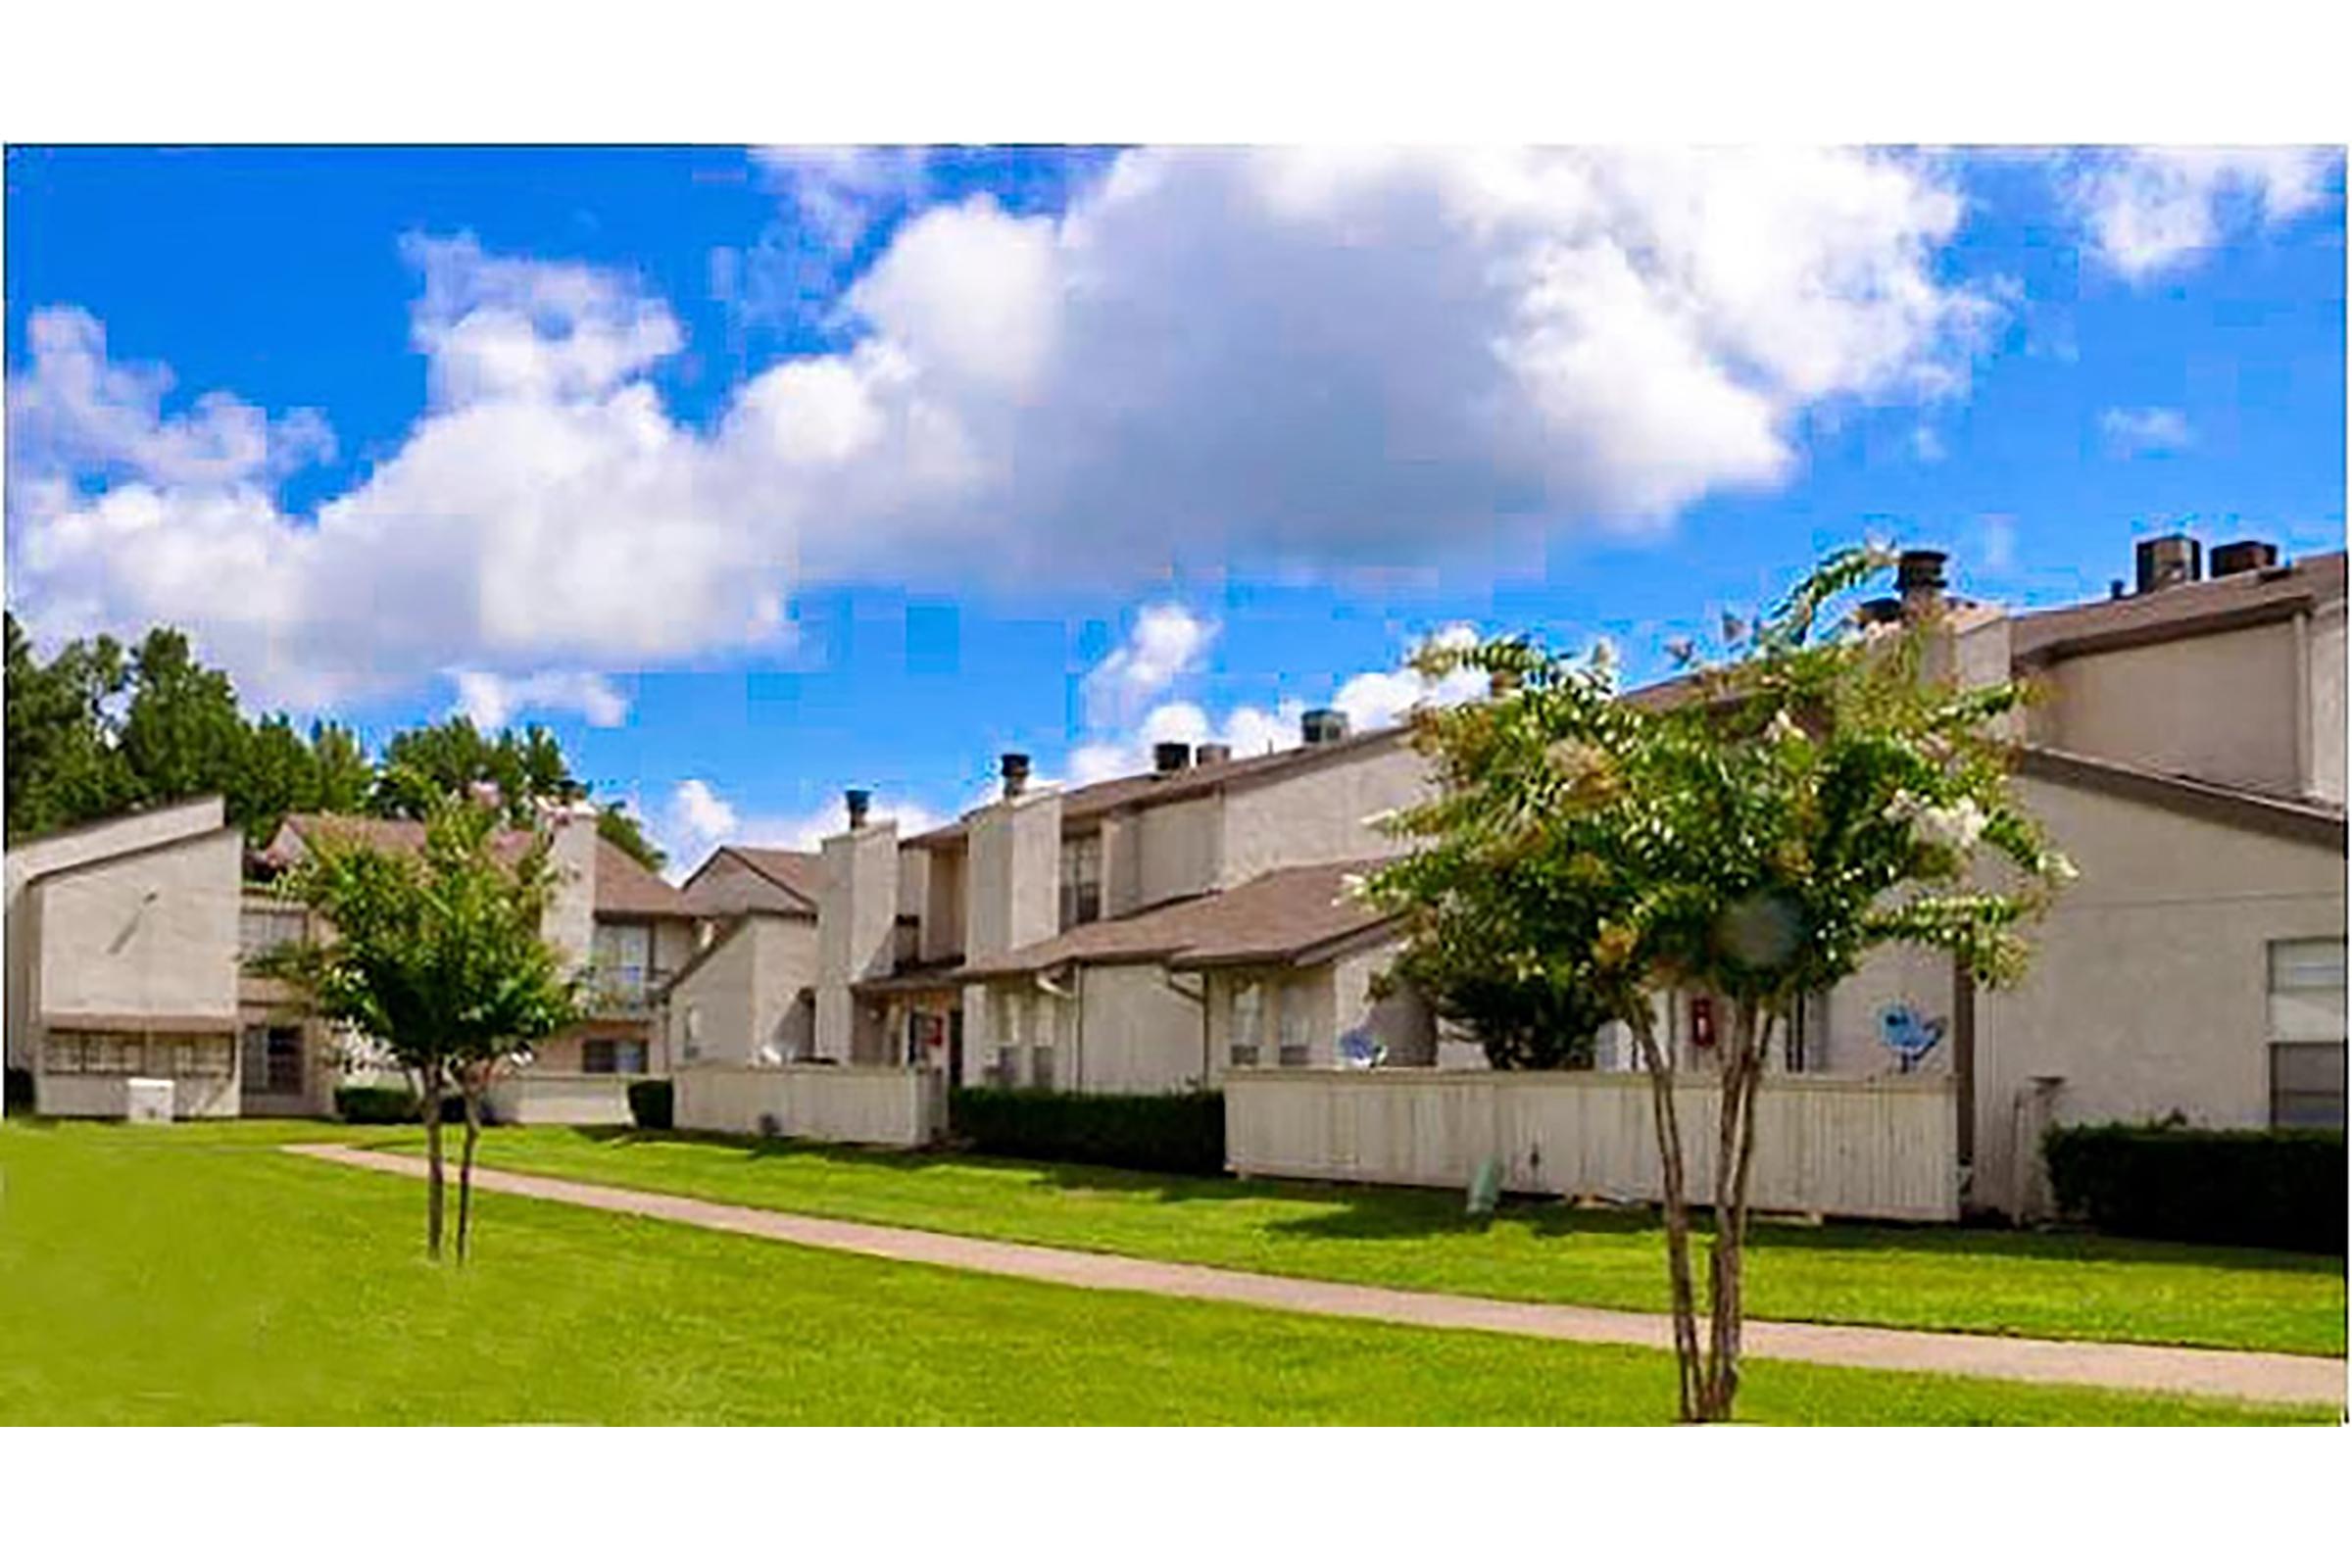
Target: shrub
column 370, row 1105
column 1183, row 1134
column 16, row 1099
column 653, row 1104
column 2271, row 1188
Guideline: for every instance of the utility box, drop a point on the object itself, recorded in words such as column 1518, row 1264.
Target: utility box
column 147, row 1099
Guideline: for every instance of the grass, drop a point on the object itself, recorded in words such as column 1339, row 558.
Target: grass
column 2055, row 1285
column 192, row 1275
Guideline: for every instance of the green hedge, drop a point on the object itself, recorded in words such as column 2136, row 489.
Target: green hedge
column 366, row 1105
column 2278, row 1188
column 1183, row 1134
column 16, row 1099
column 652, row 1104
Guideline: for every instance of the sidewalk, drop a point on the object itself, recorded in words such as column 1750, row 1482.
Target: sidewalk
column 2229, row 1374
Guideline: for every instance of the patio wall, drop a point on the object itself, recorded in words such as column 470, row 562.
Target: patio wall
column 904, row 1108
column 561, row 1099
column 1879, row 1147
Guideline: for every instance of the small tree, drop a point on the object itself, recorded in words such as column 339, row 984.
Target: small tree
column 1808, row 799
column 438, row 956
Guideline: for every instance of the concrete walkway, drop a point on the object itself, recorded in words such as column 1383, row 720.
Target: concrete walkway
column 2229, row 1374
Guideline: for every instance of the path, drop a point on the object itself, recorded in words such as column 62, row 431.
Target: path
column 2229, row 1374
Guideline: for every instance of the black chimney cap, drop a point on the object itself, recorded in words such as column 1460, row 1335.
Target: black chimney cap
column 1171, row 756
column 1919, row 568
column 2243, row 555
column 1014, row 765
column 859, row 802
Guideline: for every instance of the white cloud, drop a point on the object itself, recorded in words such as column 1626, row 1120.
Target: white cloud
column 490, row 700
column 1306, row 361
column 838, row 191
column 2138, row 432
column 2151, row 208
column 1165, row 644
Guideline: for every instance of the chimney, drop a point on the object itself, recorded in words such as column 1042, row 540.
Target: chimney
column 2168, row 561
column 1210, row 753
column 2243, row 555
column 1918, row 581
column 1014, row 765
column 1171, row 756
column 859, row 800
column 1320, row 726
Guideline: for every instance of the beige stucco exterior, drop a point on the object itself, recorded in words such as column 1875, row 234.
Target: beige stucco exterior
column 2224, row 707
column 1320, row 814
column 755, row 989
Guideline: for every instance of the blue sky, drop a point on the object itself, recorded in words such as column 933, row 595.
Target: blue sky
column 759, row 474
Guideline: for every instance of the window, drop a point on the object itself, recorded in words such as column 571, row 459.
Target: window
column 1292, row 1051
column 2307, row 1033
column 273, row 1058
column 261, row 929
column 623, row 955
column 694, row 1031
column 118, row 1054
column 1080, row 880
column 1246, row 1024
column 613, row 1056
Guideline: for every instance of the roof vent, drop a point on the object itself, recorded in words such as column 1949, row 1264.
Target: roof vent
column 1320, row 726
column 1014, row 765
column 1210, row 753
column 2168, row 561
column 1171, row 756
column 2243, row 555
column 858, row 802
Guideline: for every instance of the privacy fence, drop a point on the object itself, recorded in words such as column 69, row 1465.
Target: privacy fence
column 1877, row 1148
column 904, row 1107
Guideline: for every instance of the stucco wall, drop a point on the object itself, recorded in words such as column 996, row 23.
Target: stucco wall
column 746, row 994
column 1318, row 817
column 1400, row 1021
column 855, row 928
column 2149, row 987
column 1141, row 1034
column 2326, row 686
column 1013, row 893
column 155, row 933
column 572, row 914
column 28, row 860
column 1176, row 850
column 2220, row 708
column 942, row 907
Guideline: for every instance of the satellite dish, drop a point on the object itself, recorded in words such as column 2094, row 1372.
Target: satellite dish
column 1904, row 1030
column 1360, row 1047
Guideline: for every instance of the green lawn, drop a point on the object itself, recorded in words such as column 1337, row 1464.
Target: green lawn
column 192, row 1274
column 2056, row 1285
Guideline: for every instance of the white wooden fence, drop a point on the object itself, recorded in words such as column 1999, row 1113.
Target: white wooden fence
column 904, row 1107
column 560, row 1098
column 1877, row 1148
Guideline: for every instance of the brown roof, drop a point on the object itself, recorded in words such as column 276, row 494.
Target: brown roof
column 2319, row 822
column 1280, row 916
column 1159, row 789
column 623, row 886
column 132, row 1023
column 794, row 879
column 2191, row 609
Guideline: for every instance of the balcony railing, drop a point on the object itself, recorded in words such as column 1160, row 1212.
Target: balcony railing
column 623, row 988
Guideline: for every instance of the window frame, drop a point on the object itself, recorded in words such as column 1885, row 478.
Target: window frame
column 2279, row 1040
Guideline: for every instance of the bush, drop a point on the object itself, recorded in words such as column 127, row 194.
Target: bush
column 2274, row 1188
column 1183, row 1134
column 652, row 1104
column 372, row 1106
column 16, row 1099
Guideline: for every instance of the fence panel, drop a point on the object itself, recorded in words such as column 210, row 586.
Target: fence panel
column 1876, row 1148
column 904, row 1108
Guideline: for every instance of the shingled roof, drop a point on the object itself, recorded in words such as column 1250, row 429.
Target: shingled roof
column 623, row 886
column 1280, row 917
column 1159, row 789
column 796, row 879
column 2191, row 610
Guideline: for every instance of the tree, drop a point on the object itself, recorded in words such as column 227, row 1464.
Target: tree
column 1813, row 797
column 616, row 827
column 439, row 957
column 63, row 766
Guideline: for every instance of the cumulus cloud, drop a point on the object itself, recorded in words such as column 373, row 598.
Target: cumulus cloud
column 1316, row 361
column 490, row 700
column 2138, row 432
column 1165, row 644
column 2152, row 209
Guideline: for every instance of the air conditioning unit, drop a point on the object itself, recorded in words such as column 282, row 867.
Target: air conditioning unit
column 148, row 1100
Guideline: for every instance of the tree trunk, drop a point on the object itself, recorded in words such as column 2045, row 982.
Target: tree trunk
column 434, row 1185
column 1736, row 1141
column 1676, row 1203
column 471, row 1083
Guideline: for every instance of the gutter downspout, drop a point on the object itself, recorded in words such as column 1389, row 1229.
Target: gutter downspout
column 2304, row 744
